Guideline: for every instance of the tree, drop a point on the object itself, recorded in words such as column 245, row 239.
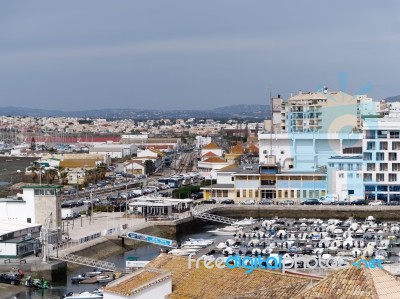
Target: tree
column 149, row 166
column 51, row 174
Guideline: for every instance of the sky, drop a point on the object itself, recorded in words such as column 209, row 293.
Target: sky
column 95, row 54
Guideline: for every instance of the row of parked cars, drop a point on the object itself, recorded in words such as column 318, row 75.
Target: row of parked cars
column 249, row 202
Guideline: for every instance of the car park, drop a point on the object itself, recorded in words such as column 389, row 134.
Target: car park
column 248, row 202
column 228, row 202
column 311, row 201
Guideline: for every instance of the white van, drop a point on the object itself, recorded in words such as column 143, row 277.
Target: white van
column 328, row 199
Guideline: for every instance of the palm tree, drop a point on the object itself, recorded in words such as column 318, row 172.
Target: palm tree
column 64, row 177
column 51, row 174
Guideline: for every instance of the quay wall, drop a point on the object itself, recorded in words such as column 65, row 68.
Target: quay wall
column 383, row 213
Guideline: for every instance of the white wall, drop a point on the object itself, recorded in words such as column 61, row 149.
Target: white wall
column 8, row 249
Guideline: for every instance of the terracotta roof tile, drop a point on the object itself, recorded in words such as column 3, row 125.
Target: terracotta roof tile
column 211, row 145
column 217, row 283
column 209, row 154
column 214, row 160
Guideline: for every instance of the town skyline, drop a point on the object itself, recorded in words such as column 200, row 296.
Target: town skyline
column 192, row 55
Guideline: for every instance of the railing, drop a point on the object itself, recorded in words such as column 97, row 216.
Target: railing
column 81, row 260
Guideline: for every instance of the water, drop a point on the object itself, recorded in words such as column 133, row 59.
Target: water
column 144, row 253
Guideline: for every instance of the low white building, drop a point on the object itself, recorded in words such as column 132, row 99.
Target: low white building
column 114, row 150
column 345, row 177
column 18, row 239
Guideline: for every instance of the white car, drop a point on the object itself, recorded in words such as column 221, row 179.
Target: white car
column 248, row 202
column 376, row 203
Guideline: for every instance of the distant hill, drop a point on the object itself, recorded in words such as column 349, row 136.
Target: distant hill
column 393, row 99
column 246, row 111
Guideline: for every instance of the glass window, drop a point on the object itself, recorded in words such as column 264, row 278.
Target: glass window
column 383, row 167
column 370, row 166
column 367, row 156
column 380, row 156
column 392, row 177
column 383, row 146
column 380, row 177
column 392, row 156
column 350, row 166
column 371, row 145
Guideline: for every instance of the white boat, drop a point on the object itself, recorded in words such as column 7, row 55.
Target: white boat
column 219, row 232
column 244, row 222
column 84, row 295
column 198, row 242
column 182, row 252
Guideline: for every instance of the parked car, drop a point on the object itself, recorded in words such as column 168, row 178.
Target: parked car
column 375, row 203
column 328, row 199
column 359, row 202
column 287, row 202
column 266, row 201
column 11, row 278
column 311, row 201
column 228, row 202
column 248, row 202
column 393, row 203
column 209, row 201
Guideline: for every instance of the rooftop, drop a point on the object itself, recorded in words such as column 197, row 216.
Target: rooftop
column 223, row 283
column 211, row 145
column 41, row 187
column 137, row 282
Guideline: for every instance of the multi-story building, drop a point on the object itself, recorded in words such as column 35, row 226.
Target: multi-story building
column 381, row 158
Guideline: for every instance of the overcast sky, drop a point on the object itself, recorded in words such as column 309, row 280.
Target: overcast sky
column 167, row 54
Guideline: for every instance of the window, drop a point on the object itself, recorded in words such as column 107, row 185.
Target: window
column 341, row 175
column 380, row 156
column 367, row 177
column 256, row 193
column 250, row 193
column 245, row 193
column 291, row 193
column 351, row 192
column 232, row 179
column 29, row 220
column 380, row 177
column 350, row 166
column 370, row 188
column 382, row 134
column 331, row 165
column 350, row 175
column 359, row 166
column 370, row 166
column 382, row 188
column 394, row 134
column 357, row 175
column 383, row 146
column 395, row 166
column 367, row 156
column 238, row 193
column 371, row 145
column 370, row 134
column 395, row 145
column 383, row 167
column 304, row 194
column 392, row 177
column 392, row 156
column 225, row 193
column 341, row 166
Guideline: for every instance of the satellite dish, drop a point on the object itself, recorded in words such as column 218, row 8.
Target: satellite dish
column 325, row 90
column 18, row 171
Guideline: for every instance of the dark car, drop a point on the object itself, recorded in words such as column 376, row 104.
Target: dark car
column 393, row 203
column 359, row 202
column 287, row 202
column 341, row 203
column 228, row 202
column 209, row 201
column 11, row 278
column 311, row 201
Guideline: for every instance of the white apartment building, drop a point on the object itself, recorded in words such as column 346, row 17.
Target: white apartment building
column 307, row 150
column 381, row 157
